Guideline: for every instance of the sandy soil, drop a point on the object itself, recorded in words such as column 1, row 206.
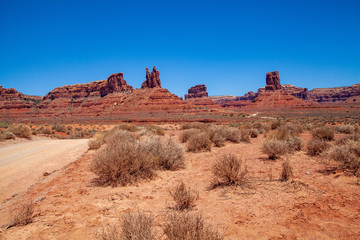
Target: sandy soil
column 313, row 205
column 23, row 164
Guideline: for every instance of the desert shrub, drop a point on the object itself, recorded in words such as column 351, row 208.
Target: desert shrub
column 295, row 128
column 286, row 172
column 188, row 226
column 199, row 142
column 24, row 216
column 229, row 170
column 316, row 147
column 219, row 134
column 4, row 124
column 77, row 135
column 185, row 135
column 295, row 143
column 347, row 129
column 126, row 127
column 21, row 130
column 137, row 226
column 122, row 163
column 117, row 135
column 156, row 130
column 218, row 139
column 354, row 136
column 59, row 127
column 275, row 148
column 283, row 133
column 324, row 133
column 8, row 135
column 276, row 123
column 244, row 135
column 94, row 144
column 184, row 197
column 253, row 133
column 348, row 155
column 168, row 155
column 197, row 125
column 47, row 131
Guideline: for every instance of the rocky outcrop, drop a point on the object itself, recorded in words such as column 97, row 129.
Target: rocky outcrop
column 197, row 92
column 298, row 92
column 152, row 79
column 272, row 81
column 114, row 83
column 11, row 99
column 331, row 95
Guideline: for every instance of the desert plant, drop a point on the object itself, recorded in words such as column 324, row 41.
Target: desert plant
column 286, row 172
column 218, row 139
column 186, row 134
column 168, row 155
column 21, row 130
column 253, row 133
column 228, row 169
column 199, row 142
column 276, row 123
column 274, row 148
column 348, row 155
column 22, row 217
column 347, row 129
column 325, row 133
column 156, row 130
column 94, row 144
column 354, row 136
column 59, row 127
column 122, row 163
column 295, row 143
column 184, row 197
column 316, row 147
column 126, row 127
column 188, row 226
column 244, row 135
column 8, row 135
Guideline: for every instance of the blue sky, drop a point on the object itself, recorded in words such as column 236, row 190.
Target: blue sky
column 227, row 45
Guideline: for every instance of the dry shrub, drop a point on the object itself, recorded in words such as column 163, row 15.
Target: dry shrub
column 117, row 135
column 188, row 226
column 325, row 133
column 199, row 142
column 197, row 125
column 276, row 123
column 47, row 131
column 156, row 130
column 94, row 144
column 134, row 226
column 354, row 136
column 21, row 130
column 229, row 170
column 126, row 127
column 253, row 133
column 23, row 216
column 184, row 197
column 168, row 155
column 347, row 129
column 218, row 139
column 295, row 128
column 348, row 155
column 220, row 134
column 59, row 128
column 295, row 143
column 122, row 163
column 8, row 135
column 317, row 146
column 184, row 137
column 275, row 148
column 287, row 171
column 289, row 136
column 244, row 135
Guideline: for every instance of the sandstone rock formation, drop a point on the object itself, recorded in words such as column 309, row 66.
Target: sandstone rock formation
column 272, row 81
column 152, row 79
column 298, row 92
column 114, row 83
column 11, row 99
column 331, row 95
column 197, row 92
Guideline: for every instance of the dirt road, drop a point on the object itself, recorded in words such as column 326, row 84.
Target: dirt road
column 23, row 164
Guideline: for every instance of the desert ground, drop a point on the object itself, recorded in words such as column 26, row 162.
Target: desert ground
column 316, row 202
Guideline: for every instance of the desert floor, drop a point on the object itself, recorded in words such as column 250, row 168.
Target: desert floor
column 314, row 204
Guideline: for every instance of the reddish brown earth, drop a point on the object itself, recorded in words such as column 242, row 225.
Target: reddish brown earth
column 312, row 205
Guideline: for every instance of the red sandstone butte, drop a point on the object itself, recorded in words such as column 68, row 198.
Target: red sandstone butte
column 152, row 79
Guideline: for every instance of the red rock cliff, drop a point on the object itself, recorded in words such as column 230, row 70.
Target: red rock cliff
column 152, row 79
column 197, row 91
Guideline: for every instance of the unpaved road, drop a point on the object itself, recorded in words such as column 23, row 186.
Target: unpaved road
column 23, row 164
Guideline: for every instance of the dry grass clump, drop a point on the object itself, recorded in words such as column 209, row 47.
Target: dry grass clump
column 348, row 155
column 275, row 148
column 228, row 169
column 220, row 134
column 156, row 130
column 317, row 146
column 244, row 135
column 199, row 142
column 117, row 135
column 289, row 137
column 347, row 129
column 276, row 123
column 122, row 163
column 325, row 133
column 188, row 226
column 197, row 125
column 185, row 135
column 168, row 155
column 134, row 226
column 184, row 197
column 286, row 172
column 23, row 217
column 21, row 130
column 59, row 127
column 253, row 133
column 7, row 135
column 94, row 144
column 354, row 136
column 126, row 127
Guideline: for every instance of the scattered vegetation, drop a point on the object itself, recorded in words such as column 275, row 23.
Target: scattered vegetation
column 199, row 142
column 187, row 134
column 21, row 130
column 317, row 146
column 324, row 133
column 347, row 129
column 274, row 148
column 286, row 172
column 24, row 216
column 156, row 130
column 184, row 197
column 188, row 226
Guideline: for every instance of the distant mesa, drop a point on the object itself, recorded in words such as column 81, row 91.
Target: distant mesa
column 117, row 83
column 272, row 81
column 152, row 79
column 197, row 91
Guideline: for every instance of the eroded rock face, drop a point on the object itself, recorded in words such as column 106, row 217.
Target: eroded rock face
column 272, row 81
column 197, row 91
column 298, row 92
column 152, row 79
column 338, row 94
column 114, row 83
column 11, row 99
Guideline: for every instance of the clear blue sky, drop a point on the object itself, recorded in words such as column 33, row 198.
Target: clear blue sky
column 227, row 45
